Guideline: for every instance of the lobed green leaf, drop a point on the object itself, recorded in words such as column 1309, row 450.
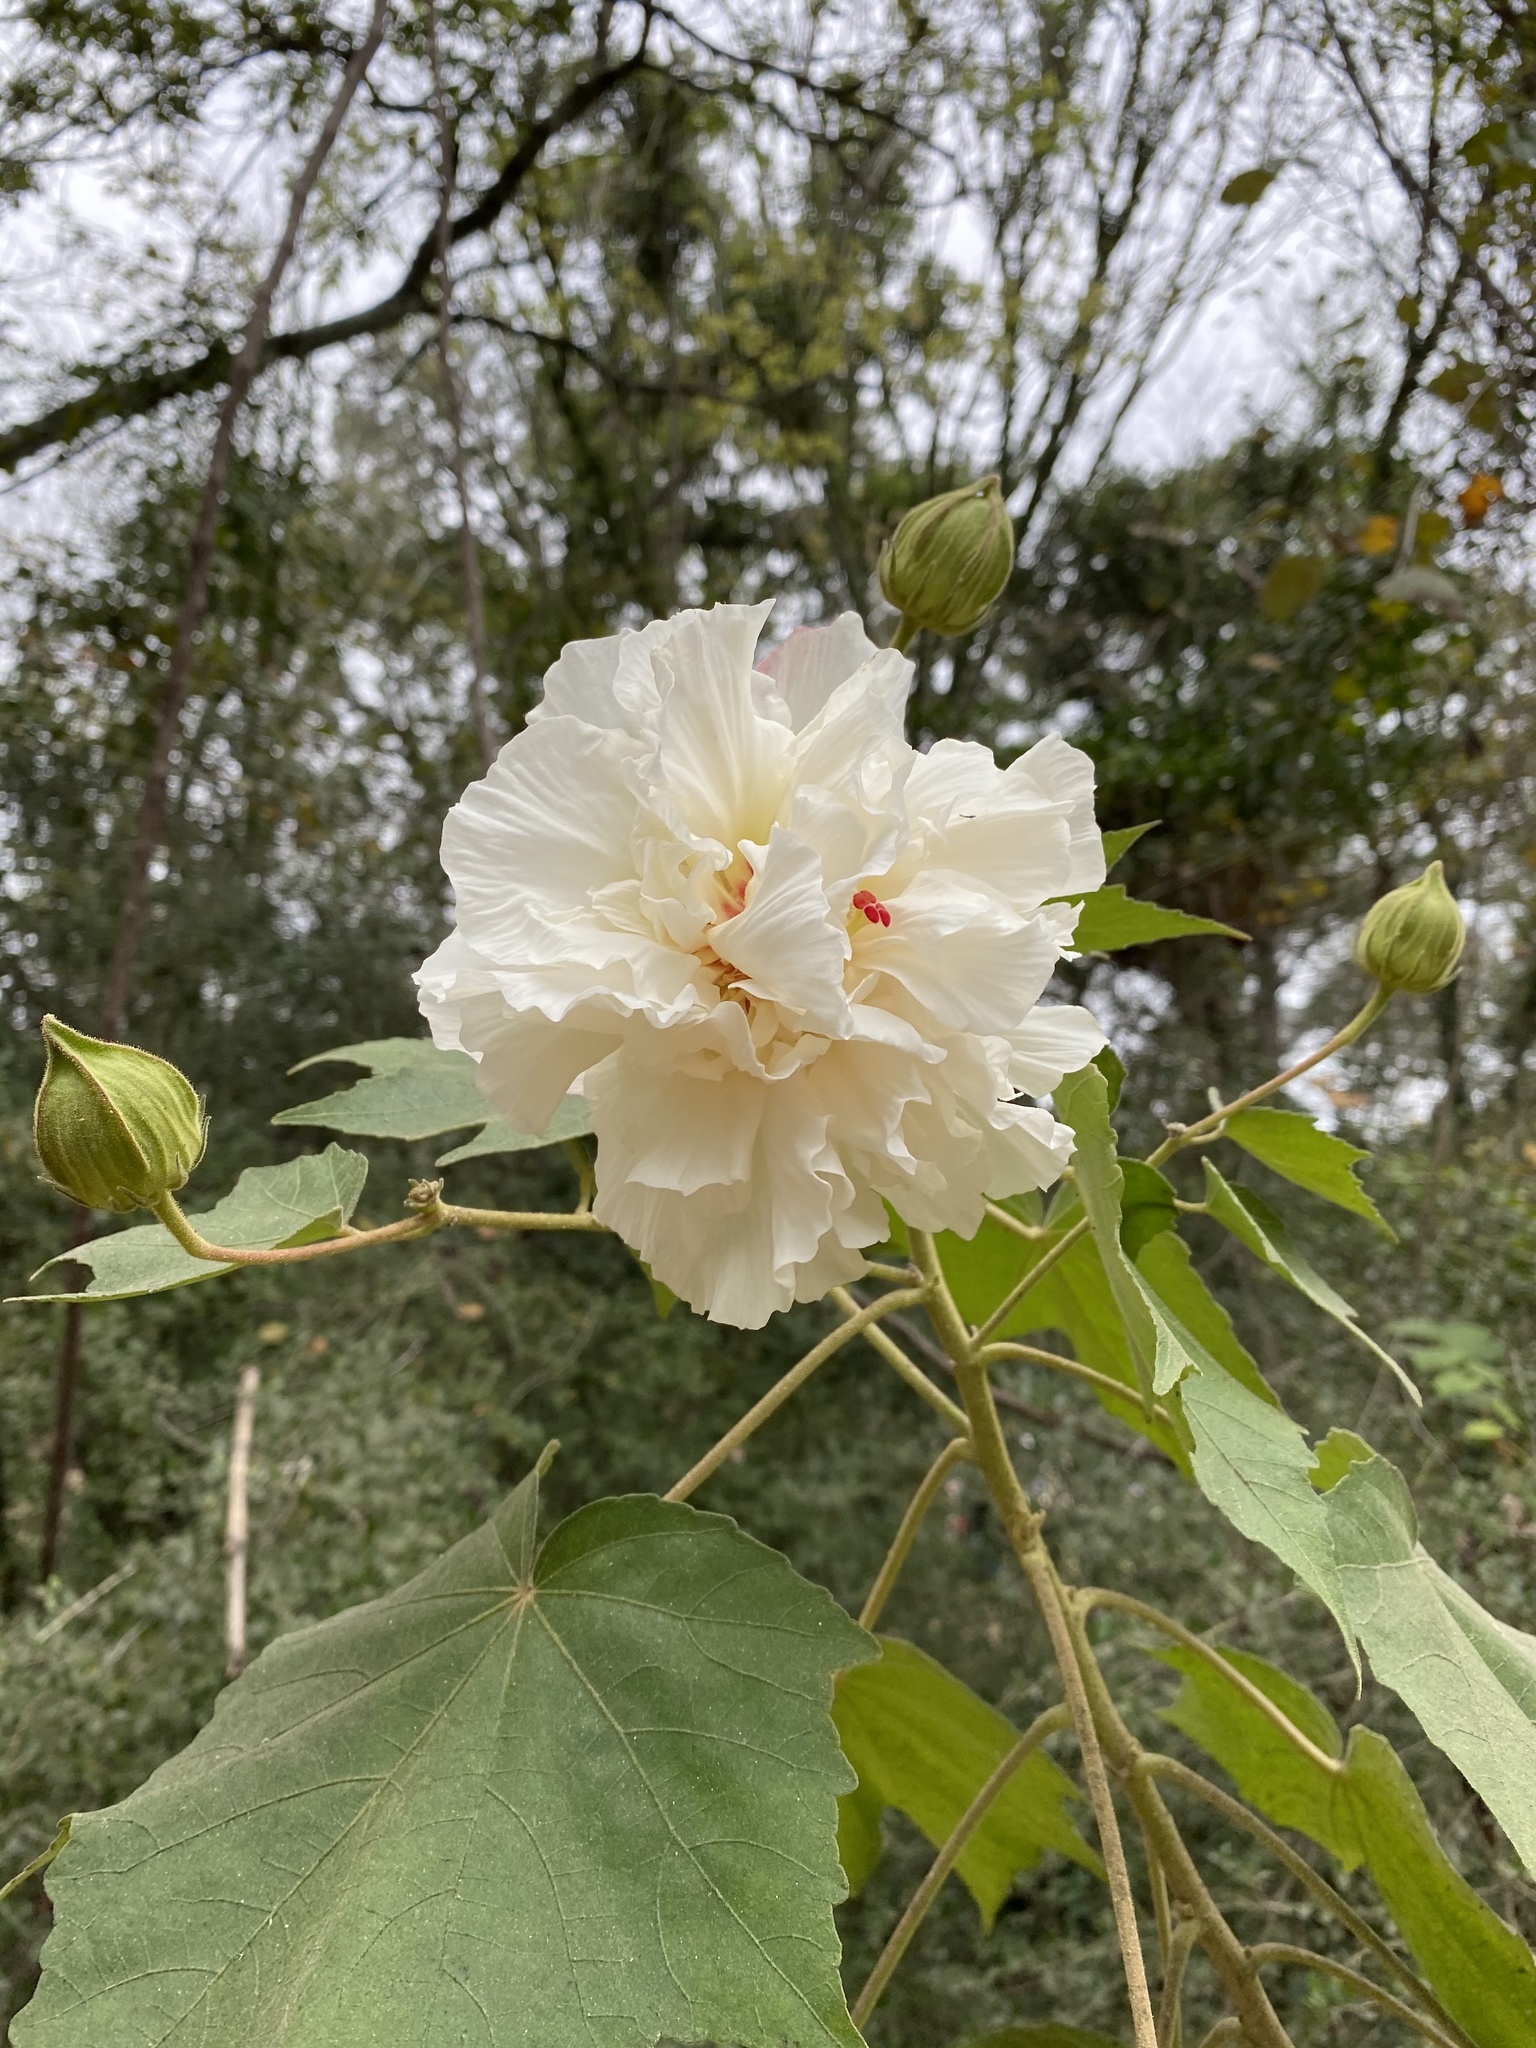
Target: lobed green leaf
column 416, row 1090
column 581, row 1794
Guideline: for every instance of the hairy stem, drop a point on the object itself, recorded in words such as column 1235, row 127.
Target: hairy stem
column 917, row 1906
column 1261, row 2025
column 1022, row 1524
column 1170, row 2004
column 1074, row 1369
column 1086, row 1598
column 1037, row 1271
column 882, row 1342
column 432, row 1214
column 954, row 1453
column 1308, row 1959
column 1151, row 1764
column 781, row 1390
column 1187, row 1134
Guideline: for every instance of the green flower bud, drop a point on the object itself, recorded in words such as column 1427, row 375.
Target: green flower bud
column 950, row 558
column 115, row 1128
column 1412, row 937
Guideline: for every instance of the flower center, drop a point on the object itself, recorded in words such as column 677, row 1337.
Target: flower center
column 867, row 901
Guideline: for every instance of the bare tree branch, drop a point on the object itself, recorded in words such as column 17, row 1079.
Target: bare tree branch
column 194, row 603
column 130, row 394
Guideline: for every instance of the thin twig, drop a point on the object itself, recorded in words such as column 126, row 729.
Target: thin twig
column 66, row 1386
column 917, row 1906
column 1153, row 1765
column 1180, row 1135
column 880, row 1341
column 86, row 1601
column 780, row 1391
column 1307, row 1959
column 1086, row 1598
column 237, row 1523
column 1170, row 2021
column 469, row 548
column 1037, row 1271
column 954, row 1453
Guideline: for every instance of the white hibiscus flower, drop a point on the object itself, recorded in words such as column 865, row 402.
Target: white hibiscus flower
column 794, row 963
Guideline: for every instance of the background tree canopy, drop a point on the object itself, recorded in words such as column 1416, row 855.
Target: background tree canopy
column 726, row 289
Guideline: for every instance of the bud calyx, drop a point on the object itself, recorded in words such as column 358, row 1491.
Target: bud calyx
column 115, row 1128
column 1412, row 938
column 950, row 558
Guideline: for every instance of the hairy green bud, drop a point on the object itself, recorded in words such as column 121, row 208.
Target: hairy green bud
column 115, row 1128
column 1412, row 938
column 949, row 559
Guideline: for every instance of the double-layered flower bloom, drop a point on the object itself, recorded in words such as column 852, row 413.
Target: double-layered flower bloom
column 794, row 964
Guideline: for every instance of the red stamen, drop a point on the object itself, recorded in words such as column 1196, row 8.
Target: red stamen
column 862, row 898
column 885, row 915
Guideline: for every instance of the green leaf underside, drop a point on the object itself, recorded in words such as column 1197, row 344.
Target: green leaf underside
column 1369, row 1813
column 1254, row 1223
column 299, row 1202
column 577, row 1796
column 1292, row 1145
column 1110, row 920
column 1254, row 1463
column 924, row 1743
column 1469, row 1679
column 416, row 1090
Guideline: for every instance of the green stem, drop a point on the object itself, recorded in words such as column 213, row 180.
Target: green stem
column 40, row 1862
column 1229, row 2029
column 1038, row 1271
column 1188, row 1134
column 1151, row 1764
column 1308, row 1959
column 1170, row 2002
column 191, row 1239
column 1260, row 2024
column 906, row 632
column 953, row 1454
column 1074, row 1368
column 431, row 1216
column 1022, row 1524
column 520, row 1219
column 1086, row 1598
column 885, row 1345
column 1030, row 1232
column 781, row 1390
column 917, row 1906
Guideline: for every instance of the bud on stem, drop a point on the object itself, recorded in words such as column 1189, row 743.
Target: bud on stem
column 1412, row 938
column 115, row 1128
column 948, row 560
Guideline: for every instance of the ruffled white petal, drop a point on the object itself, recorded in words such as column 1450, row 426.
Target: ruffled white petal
column 809, row 665
column 1053, row 1040
column 796, row 964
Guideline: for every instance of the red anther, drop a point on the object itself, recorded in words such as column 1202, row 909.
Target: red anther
column 885, row 915
column 874, row 913
column 862, row 898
